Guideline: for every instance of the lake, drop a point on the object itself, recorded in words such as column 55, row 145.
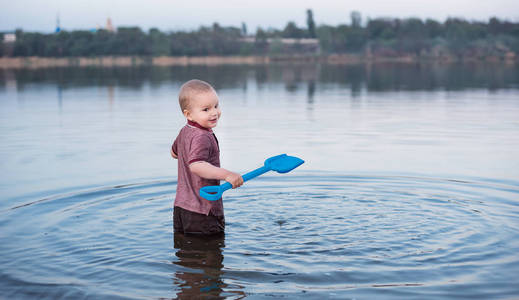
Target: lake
column 410, row 186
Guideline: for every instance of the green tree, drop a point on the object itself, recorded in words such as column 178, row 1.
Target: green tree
column 80, row 43
column 310, row 23
column 325, row 34
column 381, row 29
column 261, row 42
column 158, row 42
column 433, row 29
column 243, row 29
column 356, row 19
column 292, row 31
column 130, row 41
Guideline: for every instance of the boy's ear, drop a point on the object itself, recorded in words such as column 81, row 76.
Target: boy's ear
column 187, row 114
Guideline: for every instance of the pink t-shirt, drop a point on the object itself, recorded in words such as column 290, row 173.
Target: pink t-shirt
column 195, row 143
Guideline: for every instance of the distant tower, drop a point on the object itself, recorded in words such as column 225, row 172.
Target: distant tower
column 109, row 25
column 58, row 28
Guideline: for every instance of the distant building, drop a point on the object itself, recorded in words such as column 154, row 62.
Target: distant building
column 9, row 38
column 109, row 26
column 58, row 26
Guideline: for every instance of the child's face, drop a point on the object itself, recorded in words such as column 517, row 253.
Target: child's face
column 204, row 110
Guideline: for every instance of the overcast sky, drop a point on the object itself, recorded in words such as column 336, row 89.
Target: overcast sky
column 40, row 15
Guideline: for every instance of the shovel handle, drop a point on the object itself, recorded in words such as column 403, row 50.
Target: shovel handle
column 214, row 192
column 255, row 173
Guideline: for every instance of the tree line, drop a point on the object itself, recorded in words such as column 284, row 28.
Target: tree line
column 380, row 37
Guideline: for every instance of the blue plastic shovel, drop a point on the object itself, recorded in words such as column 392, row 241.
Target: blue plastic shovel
column 279, row 163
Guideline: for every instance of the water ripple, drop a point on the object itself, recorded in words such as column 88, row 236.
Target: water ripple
column 318, row 235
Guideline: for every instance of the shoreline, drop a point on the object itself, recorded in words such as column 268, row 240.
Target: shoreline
column 34, row 62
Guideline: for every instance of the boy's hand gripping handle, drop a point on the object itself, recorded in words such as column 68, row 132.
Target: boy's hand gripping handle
column 213, row 193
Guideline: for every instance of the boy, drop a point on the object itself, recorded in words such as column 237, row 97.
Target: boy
column 198, row 154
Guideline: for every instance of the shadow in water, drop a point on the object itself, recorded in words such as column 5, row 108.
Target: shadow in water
column 201, row 259
column 356, row 77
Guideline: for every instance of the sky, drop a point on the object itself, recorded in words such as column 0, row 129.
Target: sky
column 168, row 15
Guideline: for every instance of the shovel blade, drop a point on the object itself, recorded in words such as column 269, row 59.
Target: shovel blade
column 283, row 163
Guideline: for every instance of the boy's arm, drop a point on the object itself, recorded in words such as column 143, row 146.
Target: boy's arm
column 173, row 149
column 208, row 171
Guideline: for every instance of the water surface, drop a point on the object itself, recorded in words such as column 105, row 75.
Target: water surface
column 410, row 186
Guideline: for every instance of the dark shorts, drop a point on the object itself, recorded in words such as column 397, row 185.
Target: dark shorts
column 189, row 222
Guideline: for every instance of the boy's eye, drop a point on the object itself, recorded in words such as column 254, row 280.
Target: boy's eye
column 206, row 109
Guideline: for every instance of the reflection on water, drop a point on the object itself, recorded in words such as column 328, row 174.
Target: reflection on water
column 202, row 259
column 372, row 77
column 104, row 125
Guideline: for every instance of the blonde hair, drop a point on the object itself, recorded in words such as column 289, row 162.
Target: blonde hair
column 190, row 89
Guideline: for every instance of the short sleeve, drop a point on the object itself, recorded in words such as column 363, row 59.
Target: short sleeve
column 200, row 149
column 174, row 147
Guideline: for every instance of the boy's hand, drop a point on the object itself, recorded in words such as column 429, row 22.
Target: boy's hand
column 235, row 179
